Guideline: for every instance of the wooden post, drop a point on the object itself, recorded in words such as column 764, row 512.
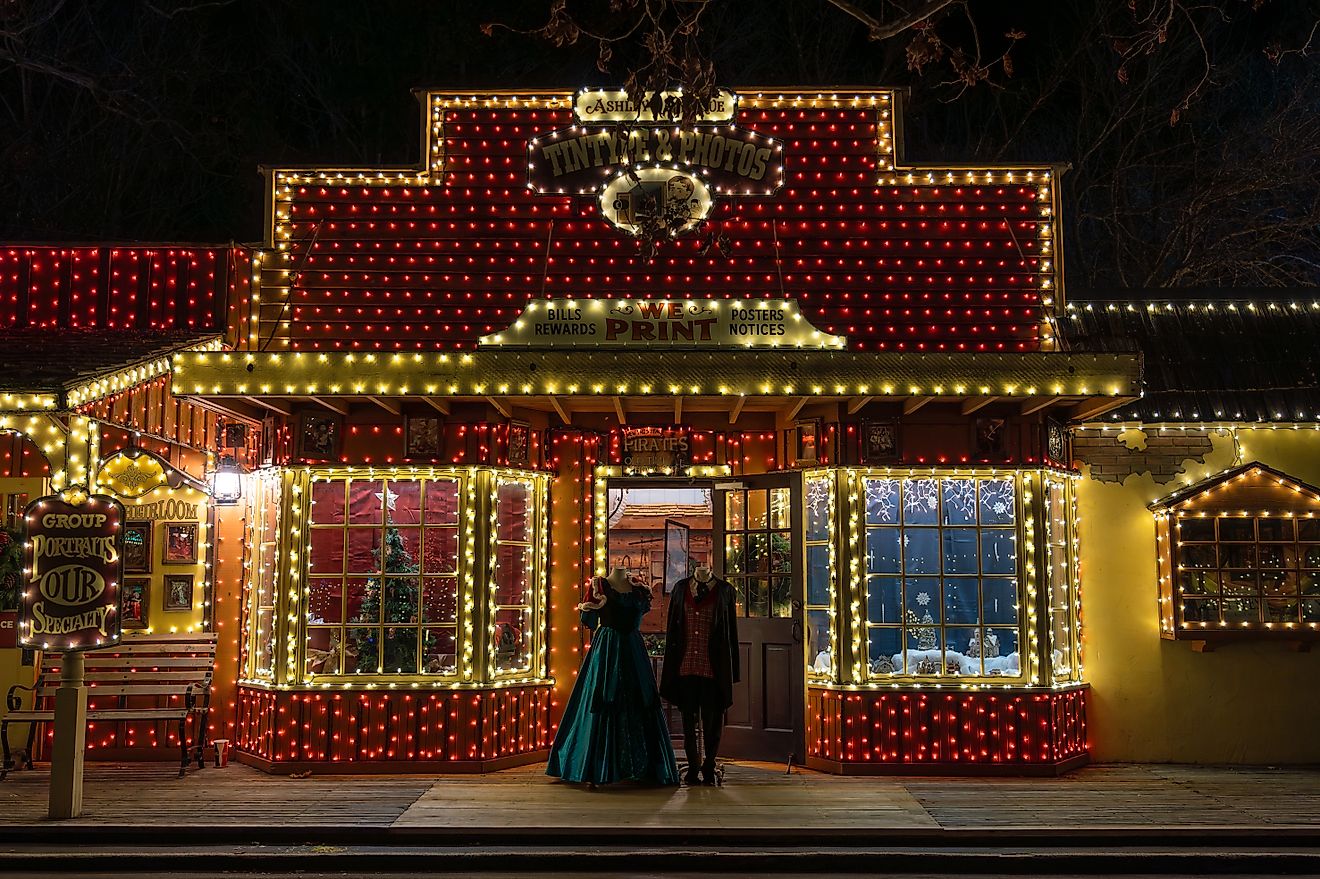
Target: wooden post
column 66, row 765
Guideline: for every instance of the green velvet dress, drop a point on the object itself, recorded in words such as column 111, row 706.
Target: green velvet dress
column 614, row 728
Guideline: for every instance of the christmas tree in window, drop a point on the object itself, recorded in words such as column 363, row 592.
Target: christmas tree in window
column 400, row 597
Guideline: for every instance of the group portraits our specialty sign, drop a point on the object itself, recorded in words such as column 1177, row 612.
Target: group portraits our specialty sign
column 72, row 567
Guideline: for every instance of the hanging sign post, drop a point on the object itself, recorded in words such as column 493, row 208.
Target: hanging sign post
column 72, row 568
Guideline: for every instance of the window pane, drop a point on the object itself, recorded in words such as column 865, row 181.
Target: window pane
column 1199, row 582
column 1237, row 529
column 1308, row 529
column 441, row 554
column 921, row 551
column 401, row 600
column 781, row 597
column 1197, row 556
column 325, row 600
column 363, row 601
column 758, row 554
column 511, row 563
column 442, row 502
column 1278, row 582
column 961, row 601
column 403, row 502
column 735, row 516
column 959, row 497
column 1240, row 583
column 757, row 502
column 818, row 509
column 1000, row 653
column 920, row 501
column 779, row 508
column 362, row 651
column 998, row 502
column 364, row 550
column 734, row 546
column 885, row 650
column 882, row 555
column 439, row 651
column 324, row 651
column 1200, row 610
column 1311, row 611
column 327, row 502
column 326, row 551
column 962, row 656
column 881, row 501
column 1237, row 556
column 510, row 640
column 758, row 597
column 1275, row 529
column 1281, row 610
column 960, row 553
column 365, row 501
column 400, row 650
column 1241, row 610
column 1278, row 555
column 999, row 600
column 781, row 553
column 1311, row 556
column 998, row 551
column 818, row 575
column 884, row 600
column 440, row 600
column 513, row 514
column 1196, row 529
column 818, row 641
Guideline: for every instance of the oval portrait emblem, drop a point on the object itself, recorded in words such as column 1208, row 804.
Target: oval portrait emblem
column 656, row 201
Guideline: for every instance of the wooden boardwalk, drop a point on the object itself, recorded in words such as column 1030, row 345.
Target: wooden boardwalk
column 756, row 796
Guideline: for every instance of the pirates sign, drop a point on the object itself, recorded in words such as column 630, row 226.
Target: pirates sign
column 72, row 567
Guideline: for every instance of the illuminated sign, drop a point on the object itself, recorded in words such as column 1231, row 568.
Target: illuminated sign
column 600, row 105
column 582, row 159
column 72, row 567
column 666, row 323
column 654, row 448
column 667, row 201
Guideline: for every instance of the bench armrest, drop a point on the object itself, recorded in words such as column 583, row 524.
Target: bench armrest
column 190, row 699
column 12, row 701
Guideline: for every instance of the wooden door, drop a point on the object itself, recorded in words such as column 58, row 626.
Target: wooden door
column 757, row 525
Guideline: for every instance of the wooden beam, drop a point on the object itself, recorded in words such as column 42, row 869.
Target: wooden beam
column 912, row 404
column 340, row 407
column 855, row 406
column 678, row 409
column 1096, row 406
column 564, row 415
column 737, row 409
column 438, row 405
column 1032, row 405
column 390, row 407
column 975, row 404
column 797, row 407
column 267, row 404
column 618, row 410
column 500, row 406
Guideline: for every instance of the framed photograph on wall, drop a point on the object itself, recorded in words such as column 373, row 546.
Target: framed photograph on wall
column 520, row 442
column 991, row 438
column 180, row 543
column 137, row 547
column 236, row 435
column 421, row 436
column 134, row 599
column 319, row 436
column 178, row 592
column 267, row 451
column 879, row 441
column 808, row 441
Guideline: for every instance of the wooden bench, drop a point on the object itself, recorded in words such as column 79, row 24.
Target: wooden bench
column 153, row 678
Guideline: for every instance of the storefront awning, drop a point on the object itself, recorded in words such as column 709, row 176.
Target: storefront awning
column 1074, row 385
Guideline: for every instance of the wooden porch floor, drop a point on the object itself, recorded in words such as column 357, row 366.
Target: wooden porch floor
column 755, row 796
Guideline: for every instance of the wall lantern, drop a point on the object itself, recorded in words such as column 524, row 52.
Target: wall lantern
column 227, row 482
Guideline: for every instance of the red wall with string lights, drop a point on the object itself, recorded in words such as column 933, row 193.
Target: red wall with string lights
column 909, row 267
column 125, row 287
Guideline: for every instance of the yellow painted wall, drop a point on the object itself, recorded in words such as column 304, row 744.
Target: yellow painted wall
column 1156, row 700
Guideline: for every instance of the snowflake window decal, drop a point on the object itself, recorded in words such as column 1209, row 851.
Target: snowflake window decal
column 818, row 499
column 920, row 496
column 997, row 501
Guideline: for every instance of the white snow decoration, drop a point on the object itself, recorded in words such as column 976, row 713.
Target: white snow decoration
column 882, row 499
column 960, row 497
column 818, row 498
column 923, row 599
column 920, row 495
column 824, row 661
column 997, row 498
column 999, row 666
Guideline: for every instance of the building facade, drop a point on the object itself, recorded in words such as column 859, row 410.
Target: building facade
column 580, row 335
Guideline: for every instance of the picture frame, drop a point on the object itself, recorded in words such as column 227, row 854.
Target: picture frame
column 1056, row 442
column 520, row 441
column 320, row 436
column 178, row 592
column 180, row 543
column 422, row 436
column 990, row 438
column 808, row 441
column 236, row 435
column 879, row 441
column 134, row 602
column 137, row 546
column 266, row 454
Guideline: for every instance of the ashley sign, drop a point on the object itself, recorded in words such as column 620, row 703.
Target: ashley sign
column 72, row 569
column 676, row 323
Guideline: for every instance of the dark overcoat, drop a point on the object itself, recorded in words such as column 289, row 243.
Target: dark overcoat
column 723, row 641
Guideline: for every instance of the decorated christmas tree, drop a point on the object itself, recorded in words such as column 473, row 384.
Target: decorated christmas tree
column 400, row 604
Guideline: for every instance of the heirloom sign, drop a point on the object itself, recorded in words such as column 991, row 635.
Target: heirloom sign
column 682, row 323
column 72, row 569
